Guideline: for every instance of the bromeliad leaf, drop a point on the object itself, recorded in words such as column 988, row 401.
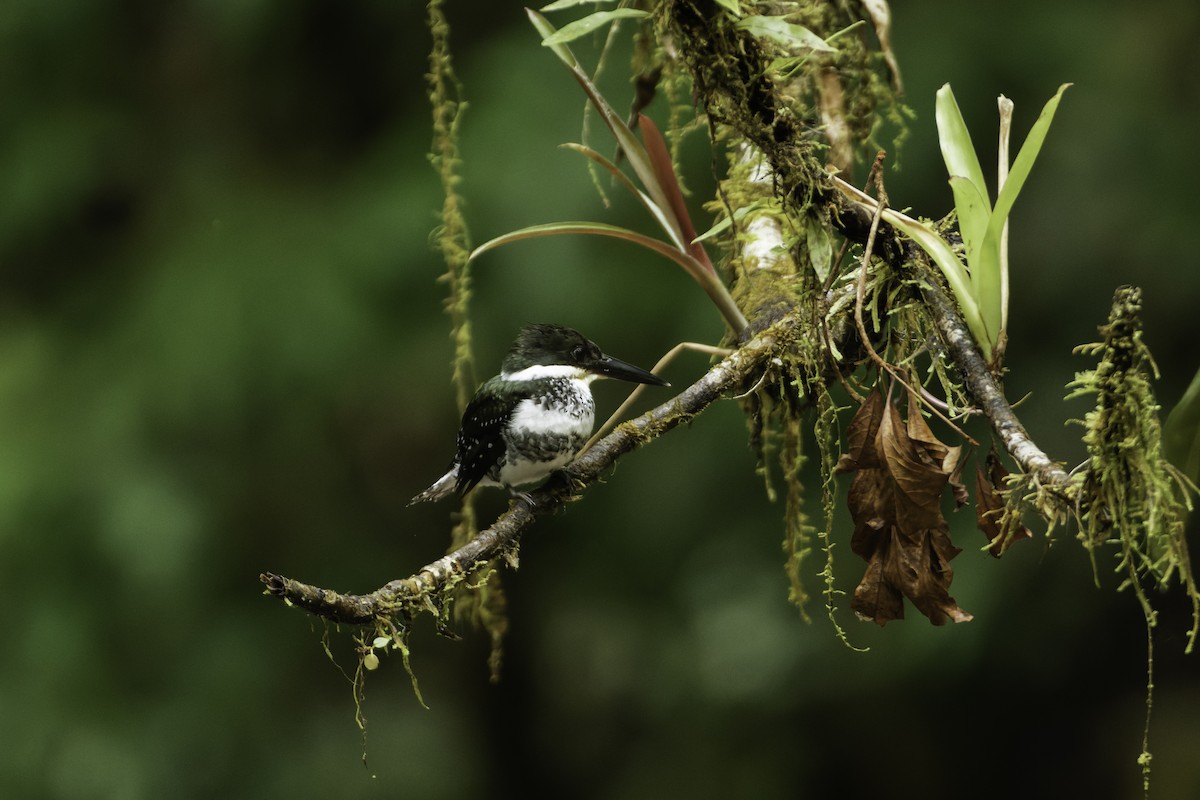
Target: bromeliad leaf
column 699, row 272
column 983, row 255
column 785, row 33
column 647, row 202
column 685, row 260
column 984, row 227
column 659, row 197
column 1024, row 163
column 664, row 171
column 628, row 142
column 957, row 149
column 732, row 5
column 582, row 27
column 973, row 212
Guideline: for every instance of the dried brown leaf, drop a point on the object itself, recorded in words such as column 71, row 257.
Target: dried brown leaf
column 990, row 507
column 895, row 502
column 921, row 435
column 919, row 571
column 955, row 464
column 860, row 436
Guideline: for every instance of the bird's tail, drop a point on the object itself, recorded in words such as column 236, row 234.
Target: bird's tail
column 443, row 487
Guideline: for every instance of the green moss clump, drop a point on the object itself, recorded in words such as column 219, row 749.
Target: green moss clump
column 1131, row 495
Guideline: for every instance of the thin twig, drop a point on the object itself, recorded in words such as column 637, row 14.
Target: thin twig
column 669, row 356
column 868, row 249
column 933, row 400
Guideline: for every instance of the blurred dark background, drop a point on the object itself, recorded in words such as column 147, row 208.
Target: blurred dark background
column 222, row 351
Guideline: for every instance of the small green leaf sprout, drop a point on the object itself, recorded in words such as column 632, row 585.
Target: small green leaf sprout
column 592, row 22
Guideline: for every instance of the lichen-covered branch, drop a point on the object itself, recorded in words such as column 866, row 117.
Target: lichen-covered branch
column 422, row 590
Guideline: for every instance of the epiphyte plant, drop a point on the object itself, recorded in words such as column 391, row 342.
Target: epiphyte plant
column 981, row 285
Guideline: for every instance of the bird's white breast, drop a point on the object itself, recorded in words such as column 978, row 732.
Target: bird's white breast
column 544, row 434
column 535, row 418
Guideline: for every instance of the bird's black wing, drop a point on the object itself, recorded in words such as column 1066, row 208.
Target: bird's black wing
column 481, row 436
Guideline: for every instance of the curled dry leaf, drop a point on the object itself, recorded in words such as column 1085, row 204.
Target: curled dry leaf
column 990, row 514
column 900, row 471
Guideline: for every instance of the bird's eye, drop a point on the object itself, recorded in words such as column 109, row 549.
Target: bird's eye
column 578, row 353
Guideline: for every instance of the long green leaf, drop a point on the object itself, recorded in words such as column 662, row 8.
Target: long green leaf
column 952, row 269
column 547, row 30
column 994, row 240
column 987, row 285
column 957, row 150
column 982, row 258
column 1024, row 162
column 584, row 26
column 707, row 280
column 973, row 213
column 690, row 264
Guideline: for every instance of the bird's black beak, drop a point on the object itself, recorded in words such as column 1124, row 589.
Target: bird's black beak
column 611, row 367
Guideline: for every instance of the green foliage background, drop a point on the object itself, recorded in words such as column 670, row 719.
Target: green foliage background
column 222, row 351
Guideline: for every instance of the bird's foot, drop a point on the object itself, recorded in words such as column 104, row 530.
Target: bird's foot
column 518, row 495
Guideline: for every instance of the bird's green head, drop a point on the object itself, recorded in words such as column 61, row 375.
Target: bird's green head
column 545, row 350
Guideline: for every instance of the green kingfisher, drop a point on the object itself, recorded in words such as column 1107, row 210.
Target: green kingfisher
column 533, row 417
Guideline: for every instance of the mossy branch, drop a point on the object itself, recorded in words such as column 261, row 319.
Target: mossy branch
column 426, row 589
column 729, row 67
column 979, row 381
